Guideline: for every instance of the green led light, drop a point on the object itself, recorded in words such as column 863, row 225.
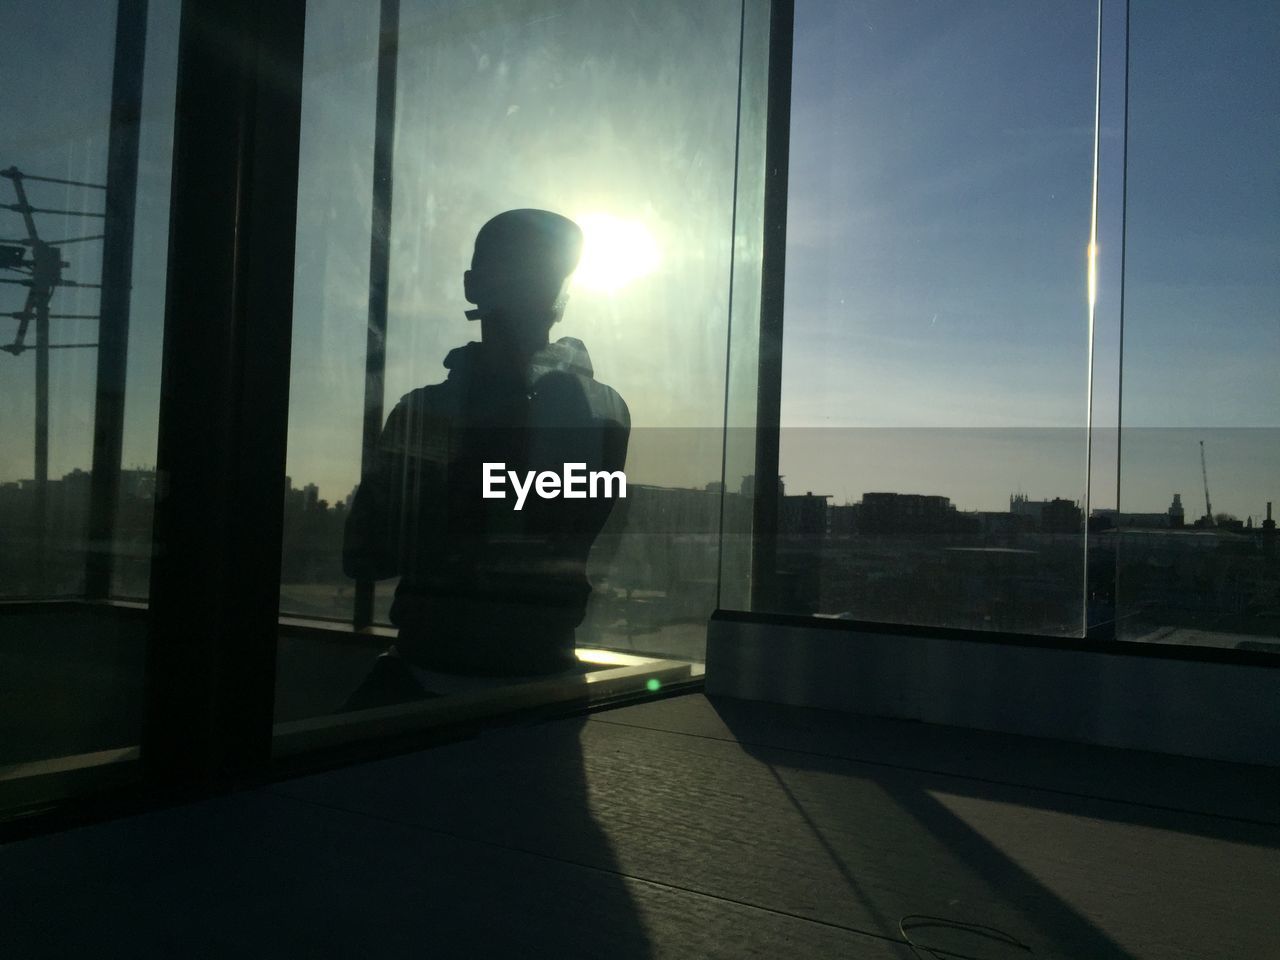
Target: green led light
column 652, row 684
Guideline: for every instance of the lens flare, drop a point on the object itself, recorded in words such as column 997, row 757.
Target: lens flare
column 615, row 252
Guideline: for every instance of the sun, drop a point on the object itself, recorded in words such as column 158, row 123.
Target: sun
column 615, row 252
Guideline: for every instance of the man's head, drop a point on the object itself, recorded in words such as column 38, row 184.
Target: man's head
column 520, row 270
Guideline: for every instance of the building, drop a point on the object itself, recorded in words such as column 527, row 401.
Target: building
column 1047, row 516
column 905, row 513
column 804, row 515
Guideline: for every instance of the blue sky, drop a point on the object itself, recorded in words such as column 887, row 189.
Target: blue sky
column 940, row 208
column 55, row 63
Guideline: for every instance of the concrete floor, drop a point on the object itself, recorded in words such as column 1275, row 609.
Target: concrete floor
column 683, row 828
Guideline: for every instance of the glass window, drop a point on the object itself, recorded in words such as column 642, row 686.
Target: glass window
column 85, row 145
column 1200, row 444
column 623, row 118
column 934, row 417
column 330, row 296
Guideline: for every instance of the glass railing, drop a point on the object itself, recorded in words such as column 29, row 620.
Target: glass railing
column 421, row 122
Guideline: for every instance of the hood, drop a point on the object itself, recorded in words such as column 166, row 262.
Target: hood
column 568, row 354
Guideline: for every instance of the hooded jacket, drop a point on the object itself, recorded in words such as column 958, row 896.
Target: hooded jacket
column 485, row 588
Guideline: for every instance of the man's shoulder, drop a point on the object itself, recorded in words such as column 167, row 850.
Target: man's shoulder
column 420, row 424
column 438, row 399
column 607, row 403
column 569, row 355
column 425, row 396
column 445, row 396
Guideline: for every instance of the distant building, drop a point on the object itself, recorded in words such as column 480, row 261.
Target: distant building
column 1061, row 516
column 1171, row 519
column 1021, row 506
column 1047, row 516
column 897, row 513
column 842, row 519
column 804, row 515
column 748, row 486
column 998, row 523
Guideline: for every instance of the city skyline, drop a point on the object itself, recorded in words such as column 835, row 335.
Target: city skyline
column 1189, row 502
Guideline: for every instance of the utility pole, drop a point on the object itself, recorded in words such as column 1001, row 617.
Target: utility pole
column 42, row 275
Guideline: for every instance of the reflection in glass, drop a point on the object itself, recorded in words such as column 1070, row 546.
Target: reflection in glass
column 623, row 118
column 488, row 489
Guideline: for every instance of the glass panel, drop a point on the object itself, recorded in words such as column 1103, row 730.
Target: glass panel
column 1200, row 445
column 621, row 117
column 330, row 303
column 82, row 260
column 936, row 348
column 736, row 520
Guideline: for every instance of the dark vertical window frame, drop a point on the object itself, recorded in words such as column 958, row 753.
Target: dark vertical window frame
column 767, row 493
column 215, row 580
column 375, row 363
column 117, row 281
column 1124, row 246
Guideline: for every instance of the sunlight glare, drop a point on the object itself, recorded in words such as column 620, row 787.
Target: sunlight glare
column 1093, row 275
column 615, row 252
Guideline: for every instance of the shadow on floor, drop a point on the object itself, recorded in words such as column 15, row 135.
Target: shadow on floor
column 1037, row 866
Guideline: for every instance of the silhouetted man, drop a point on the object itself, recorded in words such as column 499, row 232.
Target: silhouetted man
column 485, row 588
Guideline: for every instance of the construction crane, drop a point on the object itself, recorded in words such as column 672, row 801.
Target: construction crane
column 1204, row 471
